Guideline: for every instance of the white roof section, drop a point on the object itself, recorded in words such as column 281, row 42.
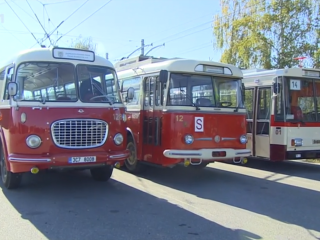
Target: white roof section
column 145, row 65
column 263, row 77
column 46, row 54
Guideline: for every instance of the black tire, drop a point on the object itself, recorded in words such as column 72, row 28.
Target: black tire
column 102, row 174
column 10, row 180
column 132, row 164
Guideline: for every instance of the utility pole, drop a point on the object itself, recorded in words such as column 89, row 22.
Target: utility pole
column 142, row 47
column 107, row 56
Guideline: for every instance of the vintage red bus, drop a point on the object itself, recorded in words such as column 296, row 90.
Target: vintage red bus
column 283, row 107
column 60, row 108
column 182, row 111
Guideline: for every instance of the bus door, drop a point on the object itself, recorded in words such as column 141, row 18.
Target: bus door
column 261, row 144
column 149, row 120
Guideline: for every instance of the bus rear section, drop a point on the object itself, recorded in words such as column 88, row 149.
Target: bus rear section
column 61, row 109
column 182, row 111
column 283, row 120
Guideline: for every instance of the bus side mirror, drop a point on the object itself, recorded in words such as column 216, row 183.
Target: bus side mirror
column 163, row 76
column 130, row 94
column 276, row 88
column 12, row 88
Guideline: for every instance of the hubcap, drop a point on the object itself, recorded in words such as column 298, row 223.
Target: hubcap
column 132, row 157
column 3, row 167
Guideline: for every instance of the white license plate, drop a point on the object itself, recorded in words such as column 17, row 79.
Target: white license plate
column 82, row 159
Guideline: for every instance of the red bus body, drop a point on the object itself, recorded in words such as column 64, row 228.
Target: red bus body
column 73, row 133
column 158, row 128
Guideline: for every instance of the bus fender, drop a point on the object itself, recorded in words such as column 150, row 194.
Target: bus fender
column 4, row 148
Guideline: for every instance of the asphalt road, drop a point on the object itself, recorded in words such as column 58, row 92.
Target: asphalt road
column 223, row 201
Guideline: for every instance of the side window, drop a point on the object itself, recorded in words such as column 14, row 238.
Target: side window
column 146, row 91
column 158, row 93
column 8, row 79
column 264, row 104
column 248, row 101
column 134, row 83
column 279, row 106
column 149, row 91
column 264, row 109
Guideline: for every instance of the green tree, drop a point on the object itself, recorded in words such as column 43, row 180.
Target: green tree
column 83, row 43
column 267, row 33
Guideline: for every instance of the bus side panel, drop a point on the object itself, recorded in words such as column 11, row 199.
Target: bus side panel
column 135, row 124
column 5, row 122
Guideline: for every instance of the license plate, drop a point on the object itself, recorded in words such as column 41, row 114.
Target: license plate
column 82, row 159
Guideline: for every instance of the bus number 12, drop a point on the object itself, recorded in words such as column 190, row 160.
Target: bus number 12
column 179, row 118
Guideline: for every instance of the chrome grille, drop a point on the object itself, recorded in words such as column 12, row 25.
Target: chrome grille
column 79, row 133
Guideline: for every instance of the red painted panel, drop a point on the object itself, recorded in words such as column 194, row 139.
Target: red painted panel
column 39, row 122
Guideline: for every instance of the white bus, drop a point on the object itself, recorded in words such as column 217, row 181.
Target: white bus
column 283, row 113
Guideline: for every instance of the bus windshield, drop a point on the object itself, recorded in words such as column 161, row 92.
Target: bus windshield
column 302, row 99
column 204, row 91
column 56, row 82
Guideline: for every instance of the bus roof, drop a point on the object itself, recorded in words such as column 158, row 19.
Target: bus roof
column 47, row 54
column 254, row 77
column 144, row 65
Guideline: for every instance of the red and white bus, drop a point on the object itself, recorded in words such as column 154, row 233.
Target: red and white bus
column 182, row 111
column 60, row 108
column 283, row 107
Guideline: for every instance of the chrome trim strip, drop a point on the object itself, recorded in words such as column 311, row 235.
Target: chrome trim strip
column 13, row 159
column 244, row 152
column 203, row 139
column 186, row 154
column 228, row 139
column 118, row 156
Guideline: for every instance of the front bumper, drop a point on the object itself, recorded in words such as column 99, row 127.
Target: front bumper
column 303, row 154
column 207, row 154
column 23, row 163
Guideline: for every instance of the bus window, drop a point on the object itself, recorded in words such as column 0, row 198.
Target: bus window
column 135, row 83
column 45, row 80
column 264, row 101
column 9, row 76
column 228, row 93
column 249, row 107
column 97, row 84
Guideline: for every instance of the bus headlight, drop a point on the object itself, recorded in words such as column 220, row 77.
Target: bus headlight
column 188, row 139
column 243, row 139
column 118, row 139
column 33, row 141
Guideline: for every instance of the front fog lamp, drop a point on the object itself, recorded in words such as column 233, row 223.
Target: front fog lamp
column 243, row 139
column 188, row 139
column 33, row 141
column 118, row 139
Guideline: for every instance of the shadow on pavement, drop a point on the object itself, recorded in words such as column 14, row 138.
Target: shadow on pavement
column 73, row 206
column 285, row 203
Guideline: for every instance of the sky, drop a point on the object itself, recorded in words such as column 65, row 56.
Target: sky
column 115, row 26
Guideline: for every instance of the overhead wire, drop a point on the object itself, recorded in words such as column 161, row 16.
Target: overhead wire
column 62, row 22
column 12, row 34
column 46, row 34
column 22, row 22
column 84, row 19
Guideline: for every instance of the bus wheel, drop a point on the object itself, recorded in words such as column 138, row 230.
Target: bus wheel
column 102, row 174
column 132, row 163
column 10, row 180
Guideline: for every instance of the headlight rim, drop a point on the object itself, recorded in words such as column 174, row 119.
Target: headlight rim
column 116, row 136
column 33, row 136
